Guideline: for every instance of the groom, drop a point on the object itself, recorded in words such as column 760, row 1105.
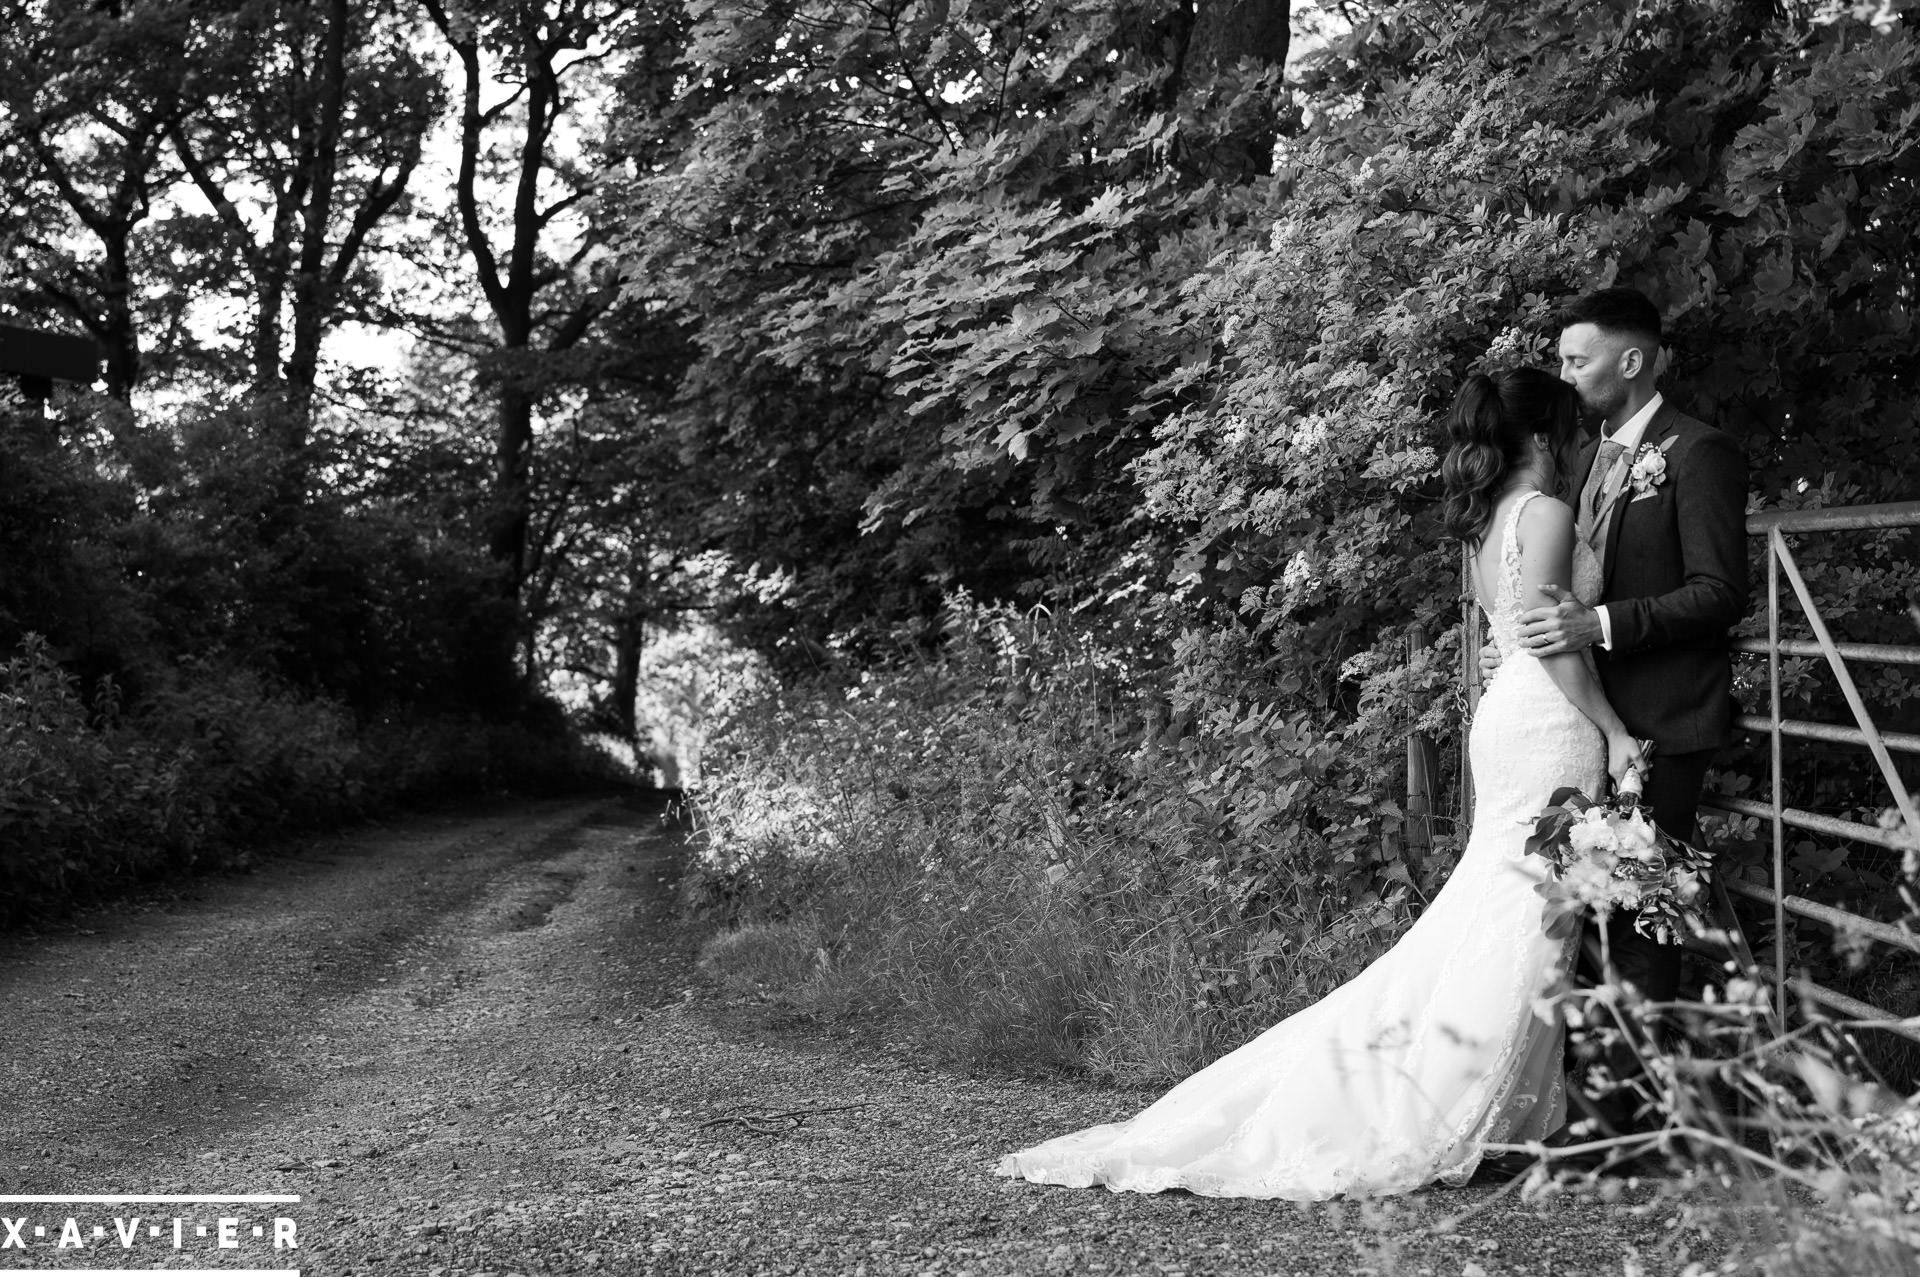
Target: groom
column 1662, row 501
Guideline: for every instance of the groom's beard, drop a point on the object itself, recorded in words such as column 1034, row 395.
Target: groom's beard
column 1603, row 405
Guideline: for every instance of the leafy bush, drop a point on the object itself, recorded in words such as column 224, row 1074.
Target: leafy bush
column 1019, row 846
column 76, row 802
column 347, row 596
column 62, row 573
column 93, row 797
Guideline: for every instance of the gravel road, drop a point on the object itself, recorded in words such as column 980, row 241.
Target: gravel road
column 475, row 1044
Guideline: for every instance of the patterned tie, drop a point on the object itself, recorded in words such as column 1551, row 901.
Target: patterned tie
column 1594, row 493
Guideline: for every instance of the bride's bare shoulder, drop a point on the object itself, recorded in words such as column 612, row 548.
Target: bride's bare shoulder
column 1545, row 526
column 1546, row 513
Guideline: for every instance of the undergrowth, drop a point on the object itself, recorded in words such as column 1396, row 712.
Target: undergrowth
column 93, row 798
column 1024, row 847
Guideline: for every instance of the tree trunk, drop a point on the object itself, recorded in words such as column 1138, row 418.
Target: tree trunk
column 511, row 281
column 266, row 334
column 1224, row 31
column 629, row 639
column 512, row 482
column 115, row 328
column 312, row 294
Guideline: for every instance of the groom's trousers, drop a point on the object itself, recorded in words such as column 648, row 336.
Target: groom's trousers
column 1672, row 797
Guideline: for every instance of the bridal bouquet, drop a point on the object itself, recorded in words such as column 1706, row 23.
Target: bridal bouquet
column 1610, row 855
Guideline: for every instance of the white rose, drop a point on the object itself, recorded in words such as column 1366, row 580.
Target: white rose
column 1588, row 838
column 1589, row 828
column 1590, row 882
column 1637, row 836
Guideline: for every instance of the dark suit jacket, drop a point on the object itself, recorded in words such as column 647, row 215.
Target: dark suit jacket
column 1676, row 583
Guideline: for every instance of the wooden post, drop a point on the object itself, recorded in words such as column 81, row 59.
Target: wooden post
column 1472, row 637
column 1421, row 765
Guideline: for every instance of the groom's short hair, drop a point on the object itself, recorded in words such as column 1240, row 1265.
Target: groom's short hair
column 1615, row 310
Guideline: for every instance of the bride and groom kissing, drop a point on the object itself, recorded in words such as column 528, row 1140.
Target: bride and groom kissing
column 1610, row 575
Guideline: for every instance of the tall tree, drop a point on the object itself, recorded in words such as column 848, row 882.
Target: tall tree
column 90, row 92
column 534, row 261
column 313, row 129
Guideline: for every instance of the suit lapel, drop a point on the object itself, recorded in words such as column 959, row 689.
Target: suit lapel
column 1659, row 428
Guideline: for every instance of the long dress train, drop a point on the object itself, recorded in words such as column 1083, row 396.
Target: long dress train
column 1398, row 1077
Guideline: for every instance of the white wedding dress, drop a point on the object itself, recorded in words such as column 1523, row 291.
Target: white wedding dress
column 1398, row 1077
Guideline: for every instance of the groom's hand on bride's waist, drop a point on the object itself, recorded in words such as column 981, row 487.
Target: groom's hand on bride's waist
column 1566, row 625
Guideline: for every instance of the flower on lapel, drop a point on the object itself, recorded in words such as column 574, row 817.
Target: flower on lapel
column 1649, row 469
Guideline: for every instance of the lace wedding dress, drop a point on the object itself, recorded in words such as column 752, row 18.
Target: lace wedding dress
column 1396, row 1078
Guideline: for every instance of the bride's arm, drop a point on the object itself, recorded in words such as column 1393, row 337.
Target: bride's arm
column 1546, row 559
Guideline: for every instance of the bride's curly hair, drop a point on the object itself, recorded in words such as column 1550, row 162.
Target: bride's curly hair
column 1492, row 424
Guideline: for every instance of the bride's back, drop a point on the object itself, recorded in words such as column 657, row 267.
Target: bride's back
column 1530, row 543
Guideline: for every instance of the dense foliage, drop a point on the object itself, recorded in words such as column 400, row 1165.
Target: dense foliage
column 198, row 662
column 934, row 260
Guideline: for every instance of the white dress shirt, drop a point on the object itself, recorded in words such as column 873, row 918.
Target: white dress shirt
column 1627, row 436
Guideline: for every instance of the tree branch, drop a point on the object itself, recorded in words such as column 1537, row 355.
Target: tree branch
column 485, row 264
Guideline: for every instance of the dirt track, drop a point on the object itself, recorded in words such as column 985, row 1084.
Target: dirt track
column 475, row 1044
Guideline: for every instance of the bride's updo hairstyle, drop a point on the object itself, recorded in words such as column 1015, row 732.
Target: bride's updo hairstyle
column 1491, row 427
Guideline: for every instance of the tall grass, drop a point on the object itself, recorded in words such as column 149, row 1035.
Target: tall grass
column 1008, row 845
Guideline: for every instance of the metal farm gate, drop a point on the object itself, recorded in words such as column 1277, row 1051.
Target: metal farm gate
column 1774, row 527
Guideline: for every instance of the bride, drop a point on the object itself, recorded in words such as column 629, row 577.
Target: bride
column 1399, row 1077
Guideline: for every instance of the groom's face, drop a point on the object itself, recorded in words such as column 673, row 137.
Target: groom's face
column 1596, row 364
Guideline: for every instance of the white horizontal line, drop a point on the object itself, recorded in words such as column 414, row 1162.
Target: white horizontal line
column 171, row 1272
column 150, row 1197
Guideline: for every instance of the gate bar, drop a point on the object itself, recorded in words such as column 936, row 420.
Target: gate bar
column 1776, row 804
column 1813, row 822
column 1836, row 518
column 1811, row 992
column 1839, row 734
column 1884, row 653
column 1838, row 919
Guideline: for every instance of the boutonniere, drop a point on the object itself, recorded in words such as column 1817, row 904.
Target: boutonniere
column 1649, row 468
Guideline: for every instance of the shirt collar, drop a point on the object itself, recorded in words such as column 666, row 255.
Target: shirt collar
column 1630, row 431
